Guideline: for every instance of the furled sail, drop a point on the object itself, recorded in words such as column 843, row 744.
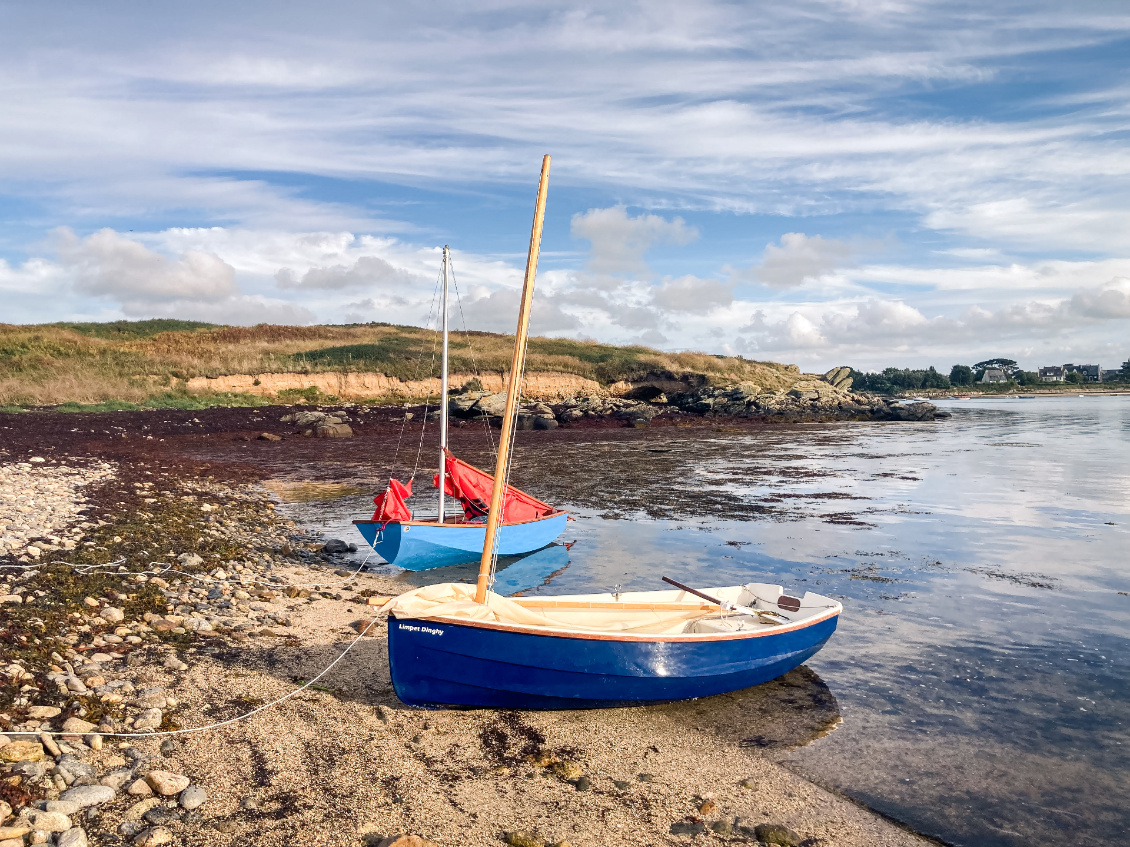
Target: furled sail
column 472, row 487
column 390, row 505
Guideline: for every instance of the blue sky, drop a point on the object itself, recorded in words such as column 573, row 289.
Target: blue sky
column 866, row 183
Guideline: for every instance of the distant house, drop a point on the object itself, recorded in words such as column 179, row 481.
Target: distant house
column 1112, row 376
column 1054, row 373
column 994, row 375
column 1090, row 373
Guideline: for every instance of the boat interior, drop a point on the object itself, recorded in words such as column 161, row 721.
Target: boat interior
column 761, row 607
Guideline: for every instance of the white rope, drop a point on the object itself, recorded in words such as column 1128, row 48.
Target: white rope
column 218, row 724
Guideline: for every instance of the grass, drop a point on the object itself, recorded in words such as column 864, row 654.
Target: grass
column 147, row 363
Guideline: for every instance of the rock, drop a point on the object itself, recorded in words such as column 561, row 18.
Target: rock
column 42, row 713
column 407, row 841
column 568, row 770
column 111, row 614
column 149, row 719
column 28, row 770
column 688, row 827
column 190, row 560
column 722, row 827
column 622, row 784
column 14, row 832
column 77, row 726
column 153, row 836
column 192, row 797
column 116, row 779
column 491, row 405
column 708, row 807
column 12, row 842
column 335, row 545
column 88, row 795
column 269, row 436
column 645, row 777
column 175, row 664
column 167, row 783
column 333, row 431
column 748, row 783
column 134, row 812
column 161, row 815
column 583, row 784
column 73, row 837
column 169, row 747
column 47, row 821
column 140, row 788
column 5, row 811
column 521, row 838
column 63, row 807
column 775, row 833
column 21, row 751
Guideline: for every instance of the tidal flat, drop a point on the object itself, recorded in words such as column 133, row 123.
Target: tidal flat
column 976, row 689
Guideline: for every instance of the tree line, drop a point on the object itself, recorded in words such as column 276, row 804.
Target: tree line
column 894, row 380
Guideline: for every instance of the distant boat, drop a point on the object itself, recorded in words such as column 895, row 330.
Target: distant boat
column 528, row 524
column 453, row 644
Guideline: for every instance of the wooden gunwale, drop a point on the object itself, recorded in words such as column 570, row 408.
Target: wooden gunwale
column 562, row 632
column 540, row 603
column 465, row 524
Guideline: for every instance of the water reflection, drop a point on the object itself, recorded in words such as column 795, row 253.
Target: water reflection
column 982, row 665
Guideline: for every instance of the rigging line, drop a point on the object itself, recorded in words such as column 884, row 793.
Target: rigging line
column 218, row 724
column 415, row 377
column 474, row 363
column 427, row 401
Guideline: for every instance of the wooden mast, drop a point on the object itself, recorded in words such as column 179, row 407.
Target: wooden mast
column 517, row 366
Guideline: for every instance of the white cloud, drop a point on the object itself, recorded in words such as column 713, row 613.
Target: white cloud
column 800, row 258
column 619, row 241
column 366, row 272
column 106, row 264
column 498, row 312
column 1111, row 300
column 693, row 295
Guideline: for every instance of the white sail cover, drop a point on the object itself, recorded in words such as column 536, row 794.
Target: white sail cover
column 457, row 600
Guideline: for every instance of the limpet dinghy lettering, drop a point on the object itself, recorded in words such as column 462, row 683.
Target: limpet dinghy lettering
column 452, row 644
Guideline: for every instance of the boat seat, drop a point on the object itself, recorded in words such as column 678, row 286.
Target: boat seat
column 730, row 623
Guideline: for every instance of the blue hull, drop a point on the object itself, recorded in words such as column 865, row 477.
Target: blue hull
column 420, row 546
column 438, row 663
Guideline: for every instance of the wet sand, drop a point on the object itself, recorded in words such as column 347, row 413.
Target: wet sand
column 345, row 762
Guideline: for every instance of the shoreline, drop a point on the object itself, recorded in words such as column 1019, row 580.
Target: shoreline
column 343, row 762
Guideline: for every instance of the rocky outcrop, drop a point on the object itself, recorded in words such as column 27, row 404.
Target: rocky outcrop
column 317, row 424
column 807, row 400
column 492, row 406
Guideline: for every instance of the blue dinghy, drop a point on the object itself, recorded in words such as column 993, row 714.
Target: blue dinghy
column 596, row 650
column 420, row 545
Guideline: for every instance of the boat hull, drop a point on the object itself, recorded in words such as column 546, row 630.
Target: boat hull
column 444, row 663
column 419, row 545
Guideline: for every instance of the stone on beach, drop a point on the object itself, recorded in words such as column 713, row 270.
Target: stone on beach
column 775, row 833
column 167, row 783
column 21, row 751
column 192, row 797
column 47, row 821
column 88, row 795
column 77, row 726
column 153, row 837
column 73, row 837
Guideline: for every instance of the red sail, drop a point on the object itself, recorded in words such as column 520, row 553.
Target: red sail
column 391, row 505
column 473, row 487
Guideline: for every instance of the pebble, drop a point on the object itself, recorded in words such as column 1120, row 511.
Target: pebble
column 21, row 751
column 149, row 719
column 17, row 832
column 112, row 615
column 42, row 713
column 167, row 783
column 748, row 783
column 775, row 833
column 5, row 811
column 139, row 788
column 88, row 795
column 135, row 812
column 408, row 841
column 521, row 838
column 175, row 664
column 47, row 821
column 583, row 784
column 192, row 797
column 116, row 779
column 64, row 807
column 153, row 836
column 169, row 747
column 77, row 726
column 73, row 837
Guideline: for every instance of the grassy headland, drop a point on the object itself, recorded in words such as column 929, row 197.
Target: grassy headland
column 130, row 363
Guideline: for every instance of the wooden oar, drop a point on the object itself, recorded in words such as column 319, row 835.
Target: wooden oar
column 729, row 607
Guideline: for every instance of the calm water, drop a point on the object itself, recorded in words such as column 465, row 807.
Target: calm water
column 981, row 666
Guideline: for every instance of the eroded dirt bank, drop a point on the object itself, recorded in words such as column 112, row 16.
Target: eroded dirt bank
column 165, row 591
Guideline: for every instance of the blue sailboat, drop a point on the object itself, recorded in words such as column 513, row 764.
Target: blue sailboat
column 453, row 644
column 420, row 544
